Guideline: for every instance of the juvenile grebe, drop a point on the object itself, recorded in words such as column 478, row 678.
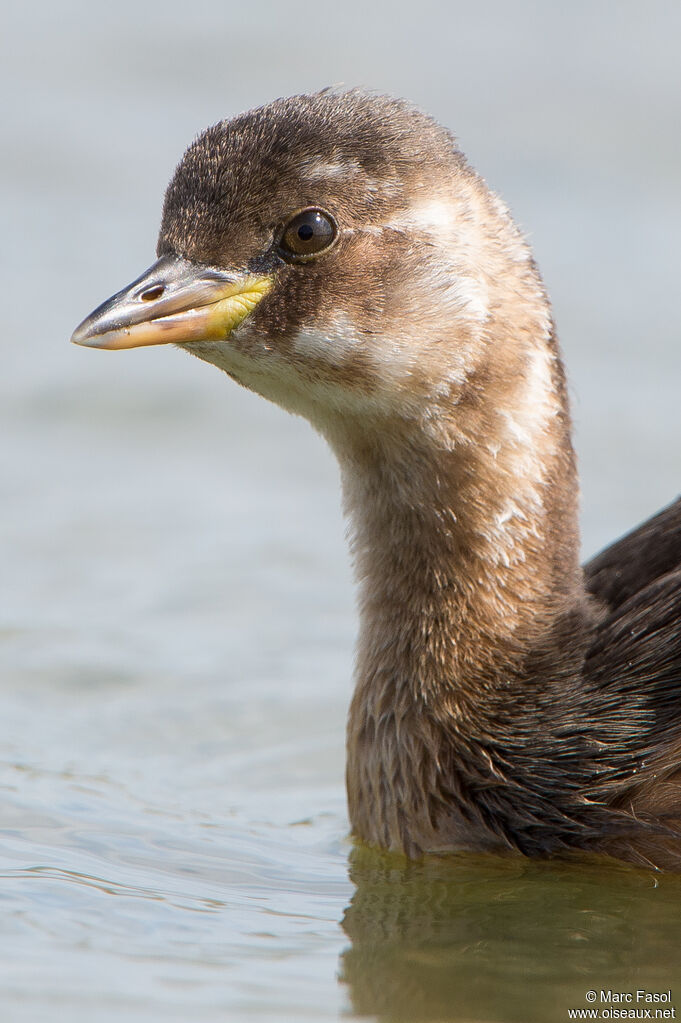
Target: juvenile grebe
column 336, row 254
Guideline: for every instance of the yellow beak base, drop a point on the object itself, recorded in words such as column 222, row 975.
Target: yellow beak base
column 175, row 301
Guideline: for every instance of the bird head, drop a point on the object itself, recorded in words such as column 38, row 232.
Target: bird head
column 333, row 252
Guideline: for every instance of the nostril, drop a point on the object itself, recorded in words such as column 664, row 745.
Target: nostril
column 152, row 293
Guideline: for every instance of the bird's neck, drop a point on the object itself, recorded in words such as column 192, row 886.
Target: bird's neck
column 465, row 545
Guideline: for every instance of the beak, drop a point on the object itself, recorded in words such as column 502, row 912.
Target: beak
column 175, row 301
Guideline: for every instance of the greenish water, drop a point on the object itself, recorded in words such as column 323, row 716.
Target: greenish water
column 491, row 941
column 176, row 610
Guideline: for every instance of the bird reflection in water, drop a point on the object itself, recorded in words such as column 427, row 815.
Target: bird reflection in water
column 487, row 939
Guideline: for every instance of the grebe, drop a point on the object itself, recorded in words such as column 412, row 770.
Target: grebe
column 336, row 254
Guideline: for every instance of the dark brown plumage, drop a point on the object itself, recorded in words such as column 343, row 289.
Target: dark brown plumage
column 505, row 699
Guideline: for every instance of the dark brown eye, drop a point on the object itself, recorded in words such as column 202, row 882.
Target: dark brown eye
column 307, row 234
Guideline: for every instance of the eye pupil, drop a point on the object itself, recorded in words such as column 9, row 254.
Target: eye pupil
column 307, row 234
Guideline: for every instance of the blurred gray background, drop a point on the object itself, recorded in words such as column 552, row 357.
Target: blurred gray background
column 176, row 605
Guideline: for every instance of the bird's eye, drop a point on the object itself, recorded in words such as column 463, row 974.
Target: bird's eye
column 307, row 234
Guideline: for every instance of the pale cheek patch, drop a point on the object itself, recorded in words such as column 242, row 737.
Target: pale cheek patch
column 339, row 344
column 434, row 217
column 450, row 285
column 334, row 346
column 355, row 373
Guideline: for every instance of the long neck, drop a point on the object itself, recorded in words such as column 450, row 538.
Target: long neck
column 465, row 544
